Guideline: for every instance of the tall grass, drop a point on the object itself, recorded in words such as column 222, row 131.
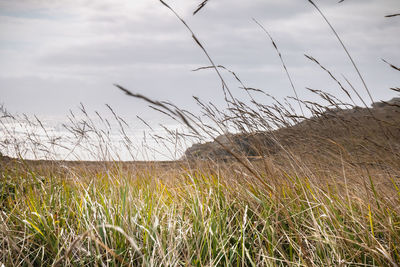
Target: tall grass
column 206, row 215
column 271, row 187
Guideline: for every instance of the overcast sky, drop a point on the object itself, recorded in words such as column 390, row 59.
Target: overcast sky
column 56, row 54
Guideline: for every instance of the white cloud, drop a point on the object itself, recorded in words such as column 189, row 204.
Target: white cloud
column 90, row 43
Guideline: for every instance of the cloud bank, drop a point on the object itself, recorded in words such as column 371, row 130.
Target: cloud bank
column 56, row 54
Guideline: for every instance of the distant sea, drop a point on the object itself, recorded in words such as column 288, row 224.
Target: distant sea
column 83, row 138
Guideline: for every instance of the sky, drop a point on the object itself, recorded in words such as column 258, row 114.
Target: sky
column 55, row 55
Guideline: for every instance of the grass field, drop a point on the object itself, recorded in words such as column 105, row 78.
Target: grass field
column 323, row 192
column 199, row 213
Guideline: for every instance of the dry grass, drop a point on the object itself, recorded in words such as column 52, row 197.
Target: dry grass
column 203, row 214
